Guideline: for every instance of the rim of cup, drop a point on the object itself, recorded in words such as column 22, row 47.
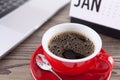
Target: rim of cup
column 64, row 27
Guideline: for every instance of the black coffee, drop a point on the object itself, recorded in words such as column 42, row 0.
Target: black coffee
column 71, row 45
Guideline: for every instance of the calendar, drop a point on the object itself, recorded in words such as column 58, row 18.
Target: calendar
column 102, row 15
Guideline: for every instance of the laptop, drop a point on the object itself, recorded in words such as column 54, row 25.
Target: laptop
column 20, row 18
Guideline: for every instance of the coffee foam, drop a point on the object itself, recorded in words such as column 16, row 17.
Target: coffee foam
column 71, row 41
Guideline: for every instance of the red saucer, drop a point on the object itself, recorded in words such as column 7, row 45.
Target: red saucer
column 99, row 71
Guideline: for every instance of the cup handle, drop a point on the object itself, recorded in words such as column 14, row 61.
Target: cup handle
column 106, row 58
column 102, row 63
column 101, row 67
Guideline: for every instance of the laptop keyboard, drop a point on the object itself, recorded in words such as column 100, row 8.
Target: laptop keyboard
column 6, row 6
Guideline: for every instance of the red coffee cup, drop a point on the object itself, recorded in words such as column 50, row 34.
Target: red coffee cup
column 65, row 66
